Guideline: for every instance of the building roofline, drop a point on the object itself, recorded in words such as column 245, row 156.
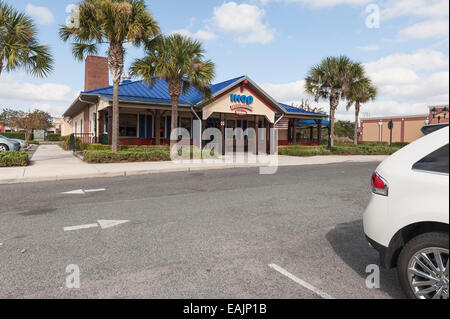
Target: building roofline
column 393, row 117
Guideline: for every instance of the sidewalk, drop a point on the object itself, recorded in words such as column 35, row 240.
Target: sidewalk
column 51, row 163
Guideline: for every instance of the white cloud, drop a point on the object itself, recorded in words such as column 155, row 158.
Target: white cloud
column 45, row 93
column 244, row 22
column 407, row 84
column 286, row 92
column 422, row 76
column 425, row 29
column 419, row 8
column 200, row 34
column 425, row 59
column 41, row 15
column 53, row 109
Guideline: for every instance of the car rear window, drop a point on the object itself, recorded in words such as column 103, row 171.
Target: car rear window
column 436, row 161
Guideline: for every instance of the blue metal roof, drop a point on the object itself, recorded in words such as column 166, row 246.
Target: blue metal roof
column 158, row 92
column 309, row 123
column 293, row 109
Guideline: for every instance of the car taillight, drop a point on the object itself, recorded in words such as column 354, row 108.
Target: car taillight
column 379, row 185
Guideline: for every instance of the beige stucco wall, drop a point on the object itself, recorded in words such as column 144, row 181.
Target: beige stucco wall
column 222, row 105
column 371, row 132
column 412, row 130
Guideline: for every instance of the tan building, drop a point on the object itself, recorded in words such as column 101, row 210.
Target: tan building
column 406, row 128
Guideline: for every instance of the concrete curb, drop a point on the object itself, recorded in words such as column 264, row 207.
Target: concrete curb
column 196, row 168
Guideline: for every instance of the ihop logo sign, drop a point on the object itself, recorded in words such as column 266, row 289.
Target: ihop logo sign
column 235, row 98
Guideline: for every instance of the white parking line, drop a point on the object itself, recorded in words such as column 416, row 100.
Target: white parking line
column 301, row 282
column 80, row 227
column 94, row 190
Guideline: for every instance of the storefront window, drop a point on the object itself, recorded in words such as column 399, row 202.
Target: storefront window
column 128, row 125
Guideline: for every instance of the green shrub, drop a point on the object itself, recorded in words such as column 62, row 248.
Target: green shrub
column 33, row 142
column 53, row 137
column 399, row 144
column 152, row 155
column 340, row 149
column 78, row 144
column 299, row 150
column 9, row 159
column 16, row 135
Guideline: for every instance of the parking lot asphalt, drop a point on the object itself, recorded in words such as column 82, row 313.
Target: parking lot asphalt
column 211, row 234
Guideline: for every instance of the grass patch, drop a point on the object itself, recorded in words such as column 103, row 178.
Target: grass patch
column 10, row 159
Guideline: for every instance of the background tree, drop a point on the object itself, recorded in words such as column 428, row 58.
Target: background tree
column 6, row 116
column 336, row 73
column 344, row 129
column 360, row 92
column 113, row 23
column 29, row 121
column 19, row 48
column 178, row 60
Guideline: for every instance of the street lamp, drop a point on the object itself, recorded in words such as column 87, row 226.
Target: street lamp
column 434, row 112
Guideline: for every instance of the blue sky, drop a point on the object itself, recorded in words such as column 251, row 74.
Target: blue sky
column 275, row 42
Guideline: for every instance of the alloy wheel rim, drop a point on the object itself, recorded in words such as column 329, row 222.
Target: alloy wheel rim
column 2, row 149
column 428, row 273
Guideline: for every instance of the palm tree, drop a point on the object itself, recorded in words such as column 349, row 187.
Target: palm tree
column 114, row 23
column 330, row 80
column 19, row 47
column 360, row 92
column 178, row 60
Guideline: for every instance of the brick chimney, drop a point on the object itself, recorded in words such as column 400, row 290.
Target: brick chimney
column 96, row 74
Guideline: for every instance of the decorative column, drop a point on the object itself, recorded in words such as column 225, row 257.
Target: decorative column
column 222, row 130
column 157, row 127
column 319, row 131
column 294, row 131
column 110, row 125
column 256, row 133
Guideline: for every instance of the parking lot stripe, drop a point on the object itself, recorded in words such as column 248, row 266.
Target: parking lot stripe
column 80, row 227
column 301, row 282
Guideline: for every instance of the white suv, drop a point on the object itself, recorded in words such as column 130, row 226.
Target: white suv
column 407, row 217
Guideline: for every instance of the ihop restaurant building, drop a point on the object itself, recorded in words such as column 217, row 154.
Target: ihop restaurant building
column 145, row 111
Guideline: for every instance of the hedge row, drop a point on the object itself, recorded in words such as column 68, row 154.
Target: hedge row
column 21, row 136
column 53, row 137
column 154, row 155
column 15, row 135
column 9, row 159
column 299, row 150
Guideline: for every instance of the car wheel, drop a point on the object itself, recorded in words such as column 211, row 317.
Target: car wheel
column 4, row 148
column 423, row 267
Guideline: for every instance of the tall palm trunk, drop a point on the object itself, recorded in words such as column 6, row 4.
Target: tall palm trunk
column 174, row 122
column 174, row 91
column 116, row 57
column 334, row 103
column 355, row 139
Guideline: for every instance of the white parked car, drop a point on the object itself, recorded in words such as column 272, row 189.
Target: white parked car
column 407, row 217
